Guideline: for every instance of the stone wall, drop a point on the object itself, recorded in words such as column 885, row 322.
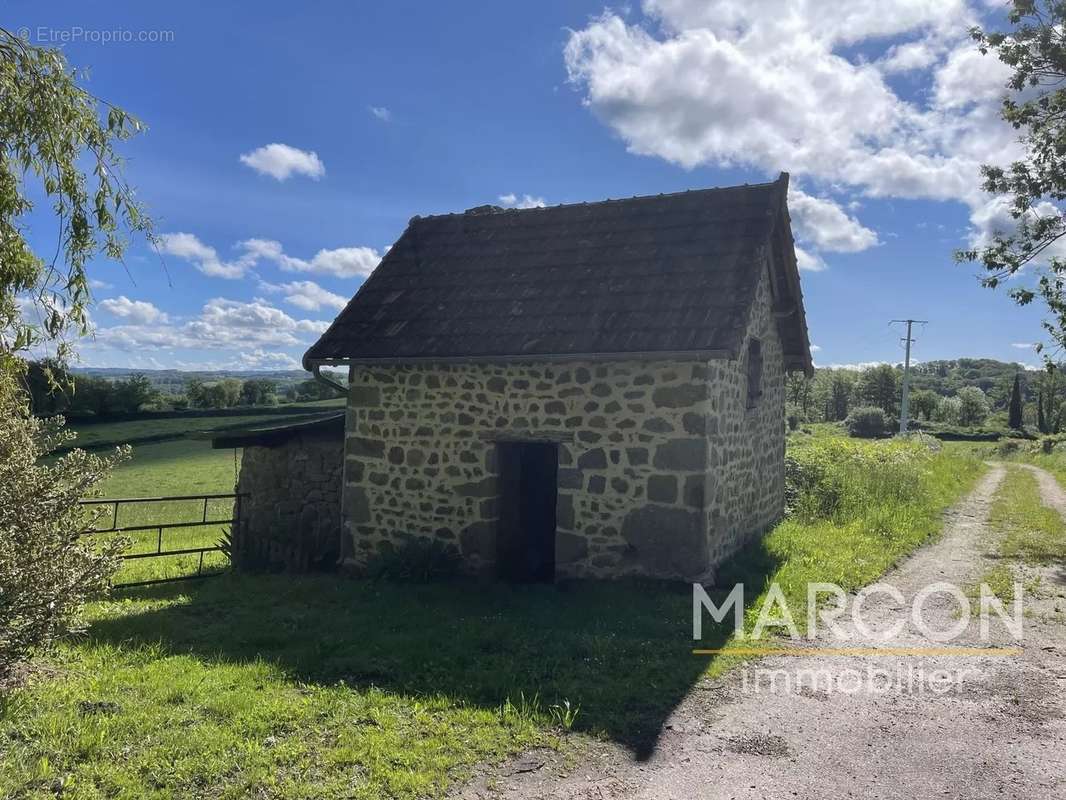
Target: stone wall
column 290, row 519
column 664, row 471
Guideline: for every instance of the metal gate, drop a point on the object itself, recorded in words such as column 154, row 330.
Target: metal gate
column 160, row 527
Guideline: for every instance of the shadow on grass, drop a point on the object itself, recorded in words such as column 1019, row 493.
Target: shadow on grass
column 620, row 651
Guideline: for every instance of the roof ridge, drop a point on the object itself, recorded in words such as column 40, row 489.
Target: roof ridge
column 482, row 210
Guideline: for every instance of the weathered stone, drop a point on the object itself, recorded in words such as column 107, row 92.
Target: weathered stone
column 662, row 488
column 694, row 491
column 570, row 547
column 363, row 396
column 592, row 459
column 637, row 456
column 486, row 487
column 669, row 541
column 601, row 390
column 658, row 425
column 597, row 484
column 682, row 455
column 695, row 424
column 681, row 396
column 497, row 385
column 564, row 511
column 478, row 539
column 395, row 455
column 570, row 479
column 555, row 407
column 366, row 448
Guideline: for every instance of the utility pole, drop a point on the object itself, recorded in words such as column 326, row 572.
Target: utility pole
column 903, row 408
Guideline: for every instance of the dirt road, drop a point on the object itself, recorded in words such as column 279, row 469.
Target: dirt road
column 999, row 731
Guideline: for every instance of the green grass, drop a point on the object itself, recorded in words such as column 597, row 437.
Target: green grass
column 322, row 687
column 102, row 434
column 1032, row 533
column 180, row 467
column 867, row 506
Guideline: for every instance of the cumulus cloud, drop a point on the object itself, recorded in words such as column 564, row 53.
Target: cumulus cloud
column 781, row 85
column 281, row 161
column 808, row 261
column 512, row 200
column 221, row 324
column 342, row 262
column 1023, row 345
column 138, row 312
column 380, row 112
column 826, row 225
column 307, row 295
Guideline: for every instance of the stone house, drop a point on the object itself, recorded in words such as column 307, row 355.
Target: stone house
column 586, row 390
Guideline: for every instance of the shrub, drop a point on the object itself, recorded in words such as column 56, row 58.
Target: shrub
column 838, row 479
column 973, row 406
column 415, row 561
column 866, row 422
column 49, row 564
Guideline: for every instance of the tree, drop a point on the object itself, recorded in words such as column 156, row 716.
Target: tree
column 259, row 392
column 923, row 403
column 195, row 392
column 1014, row 407
column 134, row 392
column 1035, row 186
column 1050, row 408
column 973, row 406
column 948, row 410
column 49, row 563
column 229, row 392
column 879, row 386
column 50, row 127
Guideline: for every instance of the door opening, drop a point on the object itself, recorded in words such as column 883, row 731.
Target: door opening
column 529, row 487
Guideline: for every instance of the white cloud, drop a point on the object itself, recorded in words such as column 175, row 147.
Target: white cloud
column 307, row 295
column 221, row 324
column 826, row 225
column 381, row 113
column 1023, row 345
column 280, row 161
column 512, row 200
column 815, row 348
column 808, row 261
column 272, row 360
column 342, row 262
column 97, row 284
column 138, row 312
column 204, row 257
column 781, row 85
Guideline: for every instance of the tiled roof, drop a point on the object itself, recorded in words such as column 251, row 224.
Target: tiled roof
column 670, row 273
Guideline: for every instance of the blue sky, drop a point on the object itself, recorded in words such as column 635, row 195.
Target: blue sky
column 880, row 113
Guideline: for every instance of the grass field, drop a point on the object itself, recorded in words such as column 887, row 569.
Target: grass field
column 99, row 434
column 180, row 467
column 324, row 687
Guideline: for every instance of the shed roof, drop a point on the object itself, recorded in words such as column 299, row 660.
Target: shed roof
column 671, row 274
column 272, row 435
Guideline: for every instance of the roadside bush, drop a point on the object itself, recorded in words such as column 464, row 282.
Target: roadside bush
column 866, row 422
column 49, row 564
column 416, row 561
column 838, row 479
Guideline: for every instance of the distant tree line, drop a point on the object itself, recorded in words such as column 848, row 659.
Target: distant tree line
column 965, row 393
column 53, row 390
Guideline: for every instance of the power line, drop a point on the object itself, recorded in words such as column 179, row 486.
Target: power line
column 908, row 340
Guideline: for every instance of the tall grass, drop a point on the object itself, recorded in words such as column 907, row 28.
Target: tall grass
column 856, row 508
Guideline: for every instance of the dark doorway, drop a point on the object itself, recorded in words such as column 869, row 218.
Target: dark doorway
column 525, row 540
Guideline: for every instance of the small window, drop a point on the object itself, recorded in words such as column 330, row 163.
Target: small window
column 754, row 372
